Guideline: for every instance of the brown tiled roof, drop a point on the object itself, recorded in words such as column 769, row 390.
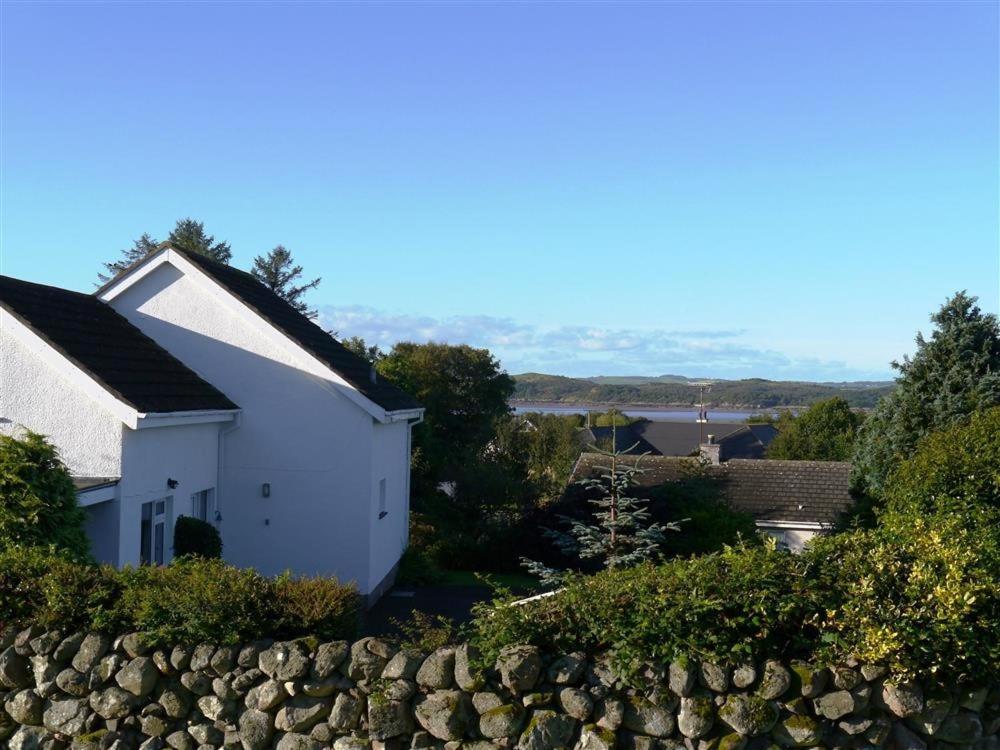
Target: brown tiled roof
column 788, row 491
column 304, row 332
column 124, row 360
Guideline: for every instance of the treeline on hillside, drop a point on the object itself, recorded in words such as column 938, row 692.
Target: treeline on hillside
column 754, row 393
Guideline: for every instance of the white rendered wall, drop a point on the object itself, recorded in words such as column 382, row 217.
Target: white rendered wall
column 390, row 461
column 186, row 453
column 312, row 445
column 34, row 396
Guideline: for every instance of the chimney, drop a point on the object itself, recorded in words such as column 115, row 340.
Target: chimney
column 711, row 451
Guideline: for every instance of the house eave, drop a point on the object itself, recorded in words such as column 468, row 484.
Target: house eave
column 172, row 419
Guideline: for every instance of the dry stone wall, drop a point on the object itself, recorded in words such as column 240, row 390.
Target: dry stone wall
column 92, row 692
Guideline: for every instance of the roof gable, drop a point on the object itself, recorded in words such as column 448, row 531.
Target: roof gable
column 98, row 341
column 291, row 324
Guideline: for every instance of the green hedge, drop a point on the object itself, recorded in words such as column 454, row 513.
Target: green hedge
column 921, row 599
column 189, row 601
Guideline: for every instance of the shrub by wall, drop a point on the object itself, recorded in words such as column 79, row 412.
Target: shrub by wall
column 90, row 692
column 190, row 600
column 192, row 536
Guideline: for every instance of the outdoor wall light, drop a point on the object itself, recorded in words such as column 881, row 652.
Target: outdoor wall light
column 172, row 483
column 265, row 489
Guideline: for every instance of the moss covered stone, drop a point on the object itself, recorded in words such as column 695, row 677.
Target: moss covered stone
column 749, row 715
column 797, row 731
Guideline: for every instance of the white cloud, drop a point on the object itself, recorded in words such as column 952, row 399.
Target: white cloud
column 590, row 350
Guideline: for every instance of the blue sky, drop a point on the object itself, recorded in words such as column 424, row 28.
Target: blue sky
column 780, row 190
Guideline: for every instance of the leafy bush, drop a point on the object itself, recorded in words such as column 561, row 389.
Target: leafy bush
column 189, row 601
column 417, row 568
column 192, row 536
column 920, row 596
column 319, row 606
column 193, row 600
column 739, row 603
column 37, row 498
column 953, row 470
column 46, row 586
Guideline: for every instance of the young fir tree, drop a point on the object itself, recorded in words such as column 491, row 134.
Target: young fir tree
column 139, row 250
column 279, row 273
column 621, row 533
column 190, row 235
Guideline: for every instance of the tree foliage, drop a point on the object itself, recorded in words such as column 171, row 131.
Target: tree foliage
column 620, row 533
column 953, row 470
column 279, row 273
column 823, row 432
column 37, row 499
column 952, row 375
column 370, row 352
column 463, row 390
column 192, row 536
column 190, row 235
column 139, row 250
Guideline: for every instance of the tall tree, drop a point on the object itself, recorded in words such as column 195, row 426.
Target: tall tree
column 952, row 375
column 139, row 250
column 279, row 273
column 359, row 346
column 190, row 235
column 823, row 432
column 463, row 391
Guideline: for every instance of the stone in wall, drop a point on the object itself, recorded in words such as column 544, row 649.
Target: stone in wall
column 92, row 692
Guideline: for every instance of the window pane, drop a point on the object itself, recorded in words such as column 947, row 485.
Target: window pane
column 158, row 547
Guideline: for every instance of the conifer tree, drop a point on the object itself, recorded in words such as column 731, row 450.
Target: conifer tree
column 279, row 273
column 952, row 375
column 139, row 250
column 621, row 533
column 190, row 235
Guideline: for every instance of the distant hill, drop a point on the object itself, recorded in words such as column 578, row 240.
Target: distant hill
column 677, row 390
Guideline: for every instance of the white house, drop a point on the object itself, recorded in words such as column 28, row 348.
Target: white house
column 187, row 387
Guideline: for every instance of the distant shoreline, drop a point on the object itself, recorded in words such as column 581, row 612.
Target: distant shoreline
column 592, row 406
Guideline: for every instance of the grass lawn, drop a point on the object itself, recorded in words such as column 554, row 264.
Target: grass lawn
column 514, row 581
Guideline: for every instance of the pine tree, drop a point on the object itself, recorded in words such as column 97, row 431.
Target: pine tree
column 190, row 235
column 278, row 272
column 950, row 377
column 622, row 533
column 139, row 250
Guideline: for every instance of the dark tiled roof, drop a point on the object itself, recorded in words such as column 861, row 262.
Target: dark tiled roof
column 304, row 332
column 683, row 438
column 118, row 355
column 815, row 491
column 625, row 440
column 805, row 491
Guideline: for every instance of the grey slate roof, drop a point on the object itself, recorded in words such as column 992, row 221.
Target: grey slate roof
column 788, row 491
column 738, row 440
column 124, row 360
column 306, row 333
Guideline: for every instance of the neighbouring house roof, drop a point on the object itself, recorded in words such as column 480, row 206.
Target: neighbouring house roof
column 738, row 440
column 122, row 359
column 307, row 334
column 808, row 492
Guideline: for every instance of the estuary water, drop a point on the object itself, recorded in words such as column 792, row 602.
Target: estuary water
column 654, row 415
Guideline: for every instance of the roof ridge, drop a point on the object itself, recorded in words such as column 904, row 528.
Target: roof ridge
column 60, row 289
